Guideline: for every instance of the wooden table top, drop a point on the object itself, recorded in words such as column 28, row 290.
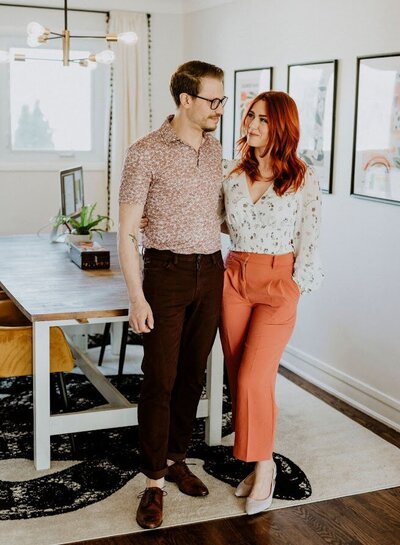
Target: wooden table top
column 46, row 285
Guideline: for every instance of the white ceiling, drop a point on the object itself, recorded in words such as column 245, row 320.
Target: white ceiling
column 152, row 6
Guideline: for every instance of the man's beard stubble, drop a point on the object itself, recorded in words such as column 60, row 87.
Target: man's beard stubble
column 209, row 129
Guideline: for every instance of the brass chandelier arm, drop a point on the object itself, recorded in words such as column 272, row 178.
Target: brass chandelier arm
column 32, row 6
column 38, row 34
column 66, row 47
column 95, row 37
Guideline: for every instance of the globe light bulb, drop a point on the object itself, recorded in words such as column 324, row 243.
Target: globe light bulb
column 4, row 57
column 87, row 63
column 33, row 41
column 35, row 29
column 105, row 57
column 128, row 37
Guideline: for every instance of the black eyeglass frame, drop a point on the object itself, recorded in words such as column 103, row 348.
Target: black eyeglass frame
column 214, row 101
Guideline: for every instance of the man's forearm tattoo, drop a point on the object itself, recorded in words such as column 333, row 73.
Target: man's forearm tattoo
column 134, row 241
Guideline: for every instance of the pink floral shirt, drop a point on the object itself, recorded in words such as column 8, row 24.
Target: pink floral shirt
column 179, row 188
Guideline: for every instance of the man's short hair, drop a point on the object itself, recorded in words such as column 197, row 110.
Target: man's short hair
column 187, row 78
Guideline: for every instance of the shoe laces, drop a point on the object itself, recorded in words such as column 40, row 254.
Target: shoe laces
column 150, row 491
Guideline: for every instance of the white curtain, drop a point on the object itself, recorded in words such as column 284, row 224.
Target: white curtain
column 130, row 119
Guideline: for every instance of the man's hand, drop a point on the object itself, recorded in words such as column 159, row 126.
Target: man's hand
column 224, row 228
column 141, row 316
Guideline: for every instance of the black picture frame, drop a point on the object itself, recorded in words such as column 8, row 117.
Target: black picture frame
column 72, row 194
column 250, row 81
column 219, row 130
column 376, row 140
column 313, row 86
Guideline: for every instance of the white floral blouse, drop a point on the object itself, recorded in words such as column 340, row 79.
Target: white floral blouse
column 276, row 225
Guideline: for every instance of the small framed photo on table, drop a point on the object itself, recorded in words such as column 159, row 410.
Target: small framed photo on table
column 248, row 84
column 313, row 87
column 376, row 149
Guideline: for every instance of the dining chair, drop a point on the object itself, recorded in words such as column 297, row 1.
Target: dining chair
column 16, row 349
column 122, row 350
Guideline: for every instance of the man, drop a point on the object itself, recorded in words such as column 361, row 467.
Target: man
column 173, row 176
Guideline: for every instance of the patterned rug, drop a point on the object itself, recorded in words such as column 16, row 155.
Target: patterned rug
column 94, row 494
column 104, row 460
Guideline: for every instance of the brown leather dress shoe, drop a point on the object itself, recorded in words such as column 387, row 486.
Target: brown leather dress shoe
column 150, row 510
column 187, row 482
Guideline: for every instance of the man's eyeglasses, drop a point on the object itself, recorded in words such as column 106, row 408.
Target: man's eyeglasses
column 214, row 102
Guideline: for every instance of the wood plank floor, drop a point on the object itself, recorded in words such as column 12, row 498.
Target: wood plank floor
column 364, row 519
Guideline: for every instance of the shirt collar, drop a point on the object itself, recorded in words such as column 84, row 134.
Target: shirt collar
column 169, row 134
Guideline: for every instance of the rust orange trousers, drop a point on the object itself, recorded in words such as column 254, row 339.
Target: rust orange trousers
column 259, row 307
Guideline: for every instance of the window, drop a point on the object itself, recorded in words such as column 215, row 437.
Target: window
column 51, row 115
column 50, row 104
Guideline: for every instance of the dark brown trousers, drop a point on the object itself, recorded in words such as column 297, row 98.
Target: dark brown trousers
column 184, row 292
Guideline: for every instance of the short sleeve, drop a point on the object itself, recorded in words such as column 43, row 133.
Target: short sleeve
column 136, row 176
column 227, row 167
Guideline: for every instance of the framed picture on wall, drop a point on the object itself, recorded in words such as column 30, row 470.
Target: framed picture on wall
column 376, row 148
column 248, row 84
column 313, row 88
column 218, row 131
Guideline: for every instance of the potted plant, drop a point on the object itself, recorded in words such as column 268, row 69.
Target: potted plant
column 82, row 226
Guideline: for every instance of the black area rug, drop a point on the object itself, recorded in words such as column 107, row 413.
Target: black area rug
column 107, row 459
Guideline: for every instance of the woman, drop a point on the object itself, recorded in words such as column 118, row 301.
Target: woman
column 272, row 212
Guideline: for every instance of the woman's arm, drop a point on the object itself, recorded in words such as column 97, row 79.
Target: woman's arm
column 307, row 269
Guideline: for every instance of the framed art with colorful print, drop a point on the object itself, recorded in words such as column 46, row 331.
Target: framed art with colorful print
column 376, row 148
column 313, row 87
column 248, row 83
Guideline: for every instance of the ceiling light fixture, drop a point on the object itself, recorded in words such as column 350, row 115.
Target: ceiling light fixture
column 38, row 35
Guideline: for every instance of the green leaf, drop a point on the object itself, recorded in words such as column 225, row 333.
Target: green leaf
column 83, row 223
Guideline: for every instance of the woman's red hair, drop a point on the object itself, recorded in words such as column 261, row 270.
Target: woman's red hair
column 283, row 138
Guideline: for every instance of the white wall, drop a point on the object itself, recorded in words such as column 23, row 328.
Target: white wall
column 29, row 197
column 347, row 337
column 167, row 54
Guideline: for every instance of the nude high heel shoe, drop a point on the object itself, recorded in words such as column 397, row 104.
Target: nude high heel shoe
column 256, row 506
column 243, row 489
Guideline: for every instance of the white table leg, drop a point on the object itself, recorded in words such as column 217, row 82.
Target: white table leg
column 215, row 380
column 41, row 394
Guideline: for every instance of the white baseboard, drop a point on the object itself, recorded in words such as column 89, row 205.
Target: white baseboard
column 356, row 393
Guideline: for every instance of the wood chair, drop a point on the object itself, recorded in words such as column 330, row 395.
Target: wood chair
column 3, row 295
column 16, row 349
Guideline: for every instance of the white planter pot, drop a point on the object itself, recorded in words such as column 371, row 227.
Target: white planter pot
column 76, row 239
